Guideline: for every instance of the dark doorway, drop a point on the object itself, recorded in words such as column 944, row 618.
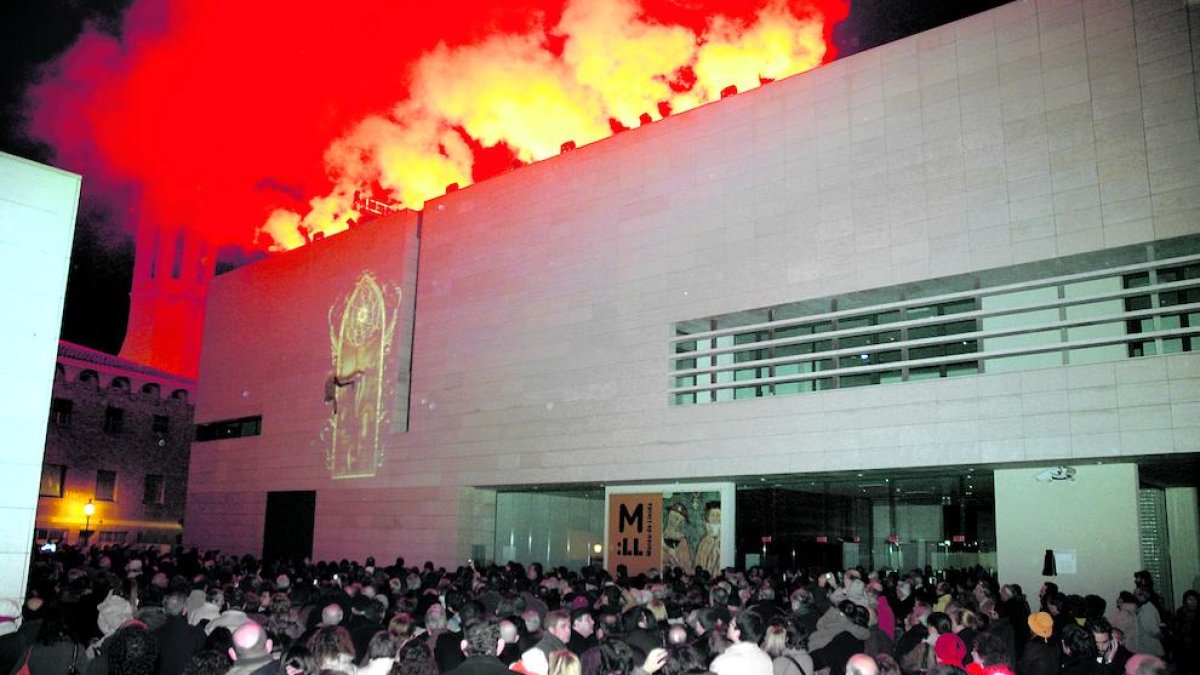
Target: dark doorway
column 288, row 530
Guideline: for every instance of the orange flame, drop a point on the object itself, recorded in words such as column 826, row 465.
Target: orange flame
column 515, row 90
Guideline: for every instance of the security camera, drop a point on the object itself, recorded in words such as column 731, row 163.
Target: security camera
column 1056, row 473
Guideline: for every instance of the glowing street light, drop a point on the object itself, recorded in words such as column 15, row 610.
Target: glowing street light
column 89, row 509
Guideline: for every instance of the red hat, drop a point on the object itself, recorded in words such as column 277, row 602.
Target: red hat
column 950, row 649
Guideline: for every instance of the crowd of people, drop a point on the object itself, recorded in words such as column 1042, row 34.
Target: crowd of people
column 119, row 611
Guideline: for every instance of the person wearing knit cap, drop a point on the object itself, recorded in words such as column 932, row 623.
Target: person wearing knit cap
column 1041, row 624
column 950, row 650
column 1040, row 657
column 583, row 628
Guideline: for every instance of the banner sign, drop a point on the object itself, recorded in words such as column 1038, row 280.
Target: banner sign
column 634, row 538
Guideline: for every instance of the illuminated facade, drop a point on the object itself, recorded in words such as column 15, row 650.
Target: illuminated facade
column 975, row 249
column 118, row 437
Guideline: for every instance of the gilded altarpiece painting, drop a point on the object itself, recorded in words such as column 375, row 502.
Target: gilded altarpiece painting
column 361, row 335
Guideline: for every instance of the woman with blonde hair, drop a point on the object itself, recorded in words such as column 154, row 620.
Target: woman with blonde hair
column 785, row 643
column 965, row 624
column 658, row 609
column 564, row 662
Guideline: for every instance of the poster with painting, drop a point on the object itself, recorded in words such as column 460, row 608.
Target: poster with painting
column 692, row 530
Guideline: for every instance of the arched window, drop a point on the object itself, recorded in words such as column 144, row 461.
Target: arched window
column 119, row 384
column 180, row 395
column 90, row 377
column 152, row 389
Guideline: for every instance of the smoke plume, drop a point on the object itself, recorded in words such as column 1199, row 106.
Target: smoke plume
column 206, row 107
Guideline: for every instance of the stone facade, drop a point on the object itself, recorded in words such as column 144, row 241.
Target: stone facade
column 113, row 423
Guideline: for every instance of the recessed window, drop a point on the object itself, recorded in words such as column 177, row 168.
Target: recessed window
column 54, row 478
column 160, row 424
column 60, row 411
column 114, row 420
column 154, row 489
column 1068, row 310
column 107, row 537
column 106, row 486
column 49, row 534
column 244, row 426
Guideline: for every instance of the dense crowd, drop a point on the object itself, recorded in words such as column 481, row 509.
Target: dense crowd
column 119, row 611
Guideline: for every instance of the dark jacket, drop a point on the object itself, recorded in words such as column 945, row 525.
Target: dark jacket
column 1081, row 666
column 580, row 644
column 511, row 654
column 1002, row 628
column 835, row 654
column 481, row 665
column 1117, row 667
column 878, row 643
column 55, row 659
column 14, row 645
column 178, row 642
column 1039, row 658
column 642, row 640
column 447, row 651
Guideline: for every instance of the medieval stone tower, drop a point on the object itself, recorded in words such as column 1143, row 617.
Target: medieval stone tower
column 171, row 274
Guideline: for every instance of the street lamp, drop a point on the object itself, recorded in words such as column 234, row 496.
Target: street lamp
column 85, row 534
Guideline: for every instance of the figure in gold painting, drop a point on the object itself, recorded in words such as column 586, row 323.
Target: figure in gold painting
column 360, row 340
column 677, row 552
column 708, row 551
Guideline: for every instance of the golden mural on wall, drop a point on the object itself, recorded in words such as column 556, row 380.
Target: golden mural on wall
column 361, row 328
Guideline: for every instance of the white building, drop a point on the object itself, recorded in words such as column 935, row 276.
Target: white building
column 973, row 254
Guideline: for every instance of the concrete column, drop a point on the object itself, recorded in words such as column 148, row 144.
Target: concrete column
column 1185, row 544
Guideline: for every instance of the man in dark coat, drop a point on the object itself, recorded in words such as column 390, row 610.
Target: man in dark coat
column 178, row 641
column 366, row 619
column 641, row 631
column 481, row 645
column 583, row 631
column 558, row 632
column 1113, row 654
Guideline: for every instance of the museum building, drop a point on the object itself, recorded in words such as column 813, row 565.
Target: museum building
column 934, row 303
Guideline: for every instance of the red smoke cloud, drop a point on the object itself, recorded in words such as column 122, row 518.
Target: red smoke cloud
column 250, row 122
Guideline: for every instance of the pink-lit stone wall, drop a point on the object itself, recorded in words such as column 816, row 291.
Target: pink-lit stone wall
column 267, row 351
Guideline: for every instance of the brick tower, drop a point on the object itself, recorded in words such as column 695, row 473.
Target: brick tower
column 172, row 269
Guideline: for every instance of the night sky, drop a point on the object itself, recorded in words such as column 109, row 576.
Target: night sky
column 235, row 106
